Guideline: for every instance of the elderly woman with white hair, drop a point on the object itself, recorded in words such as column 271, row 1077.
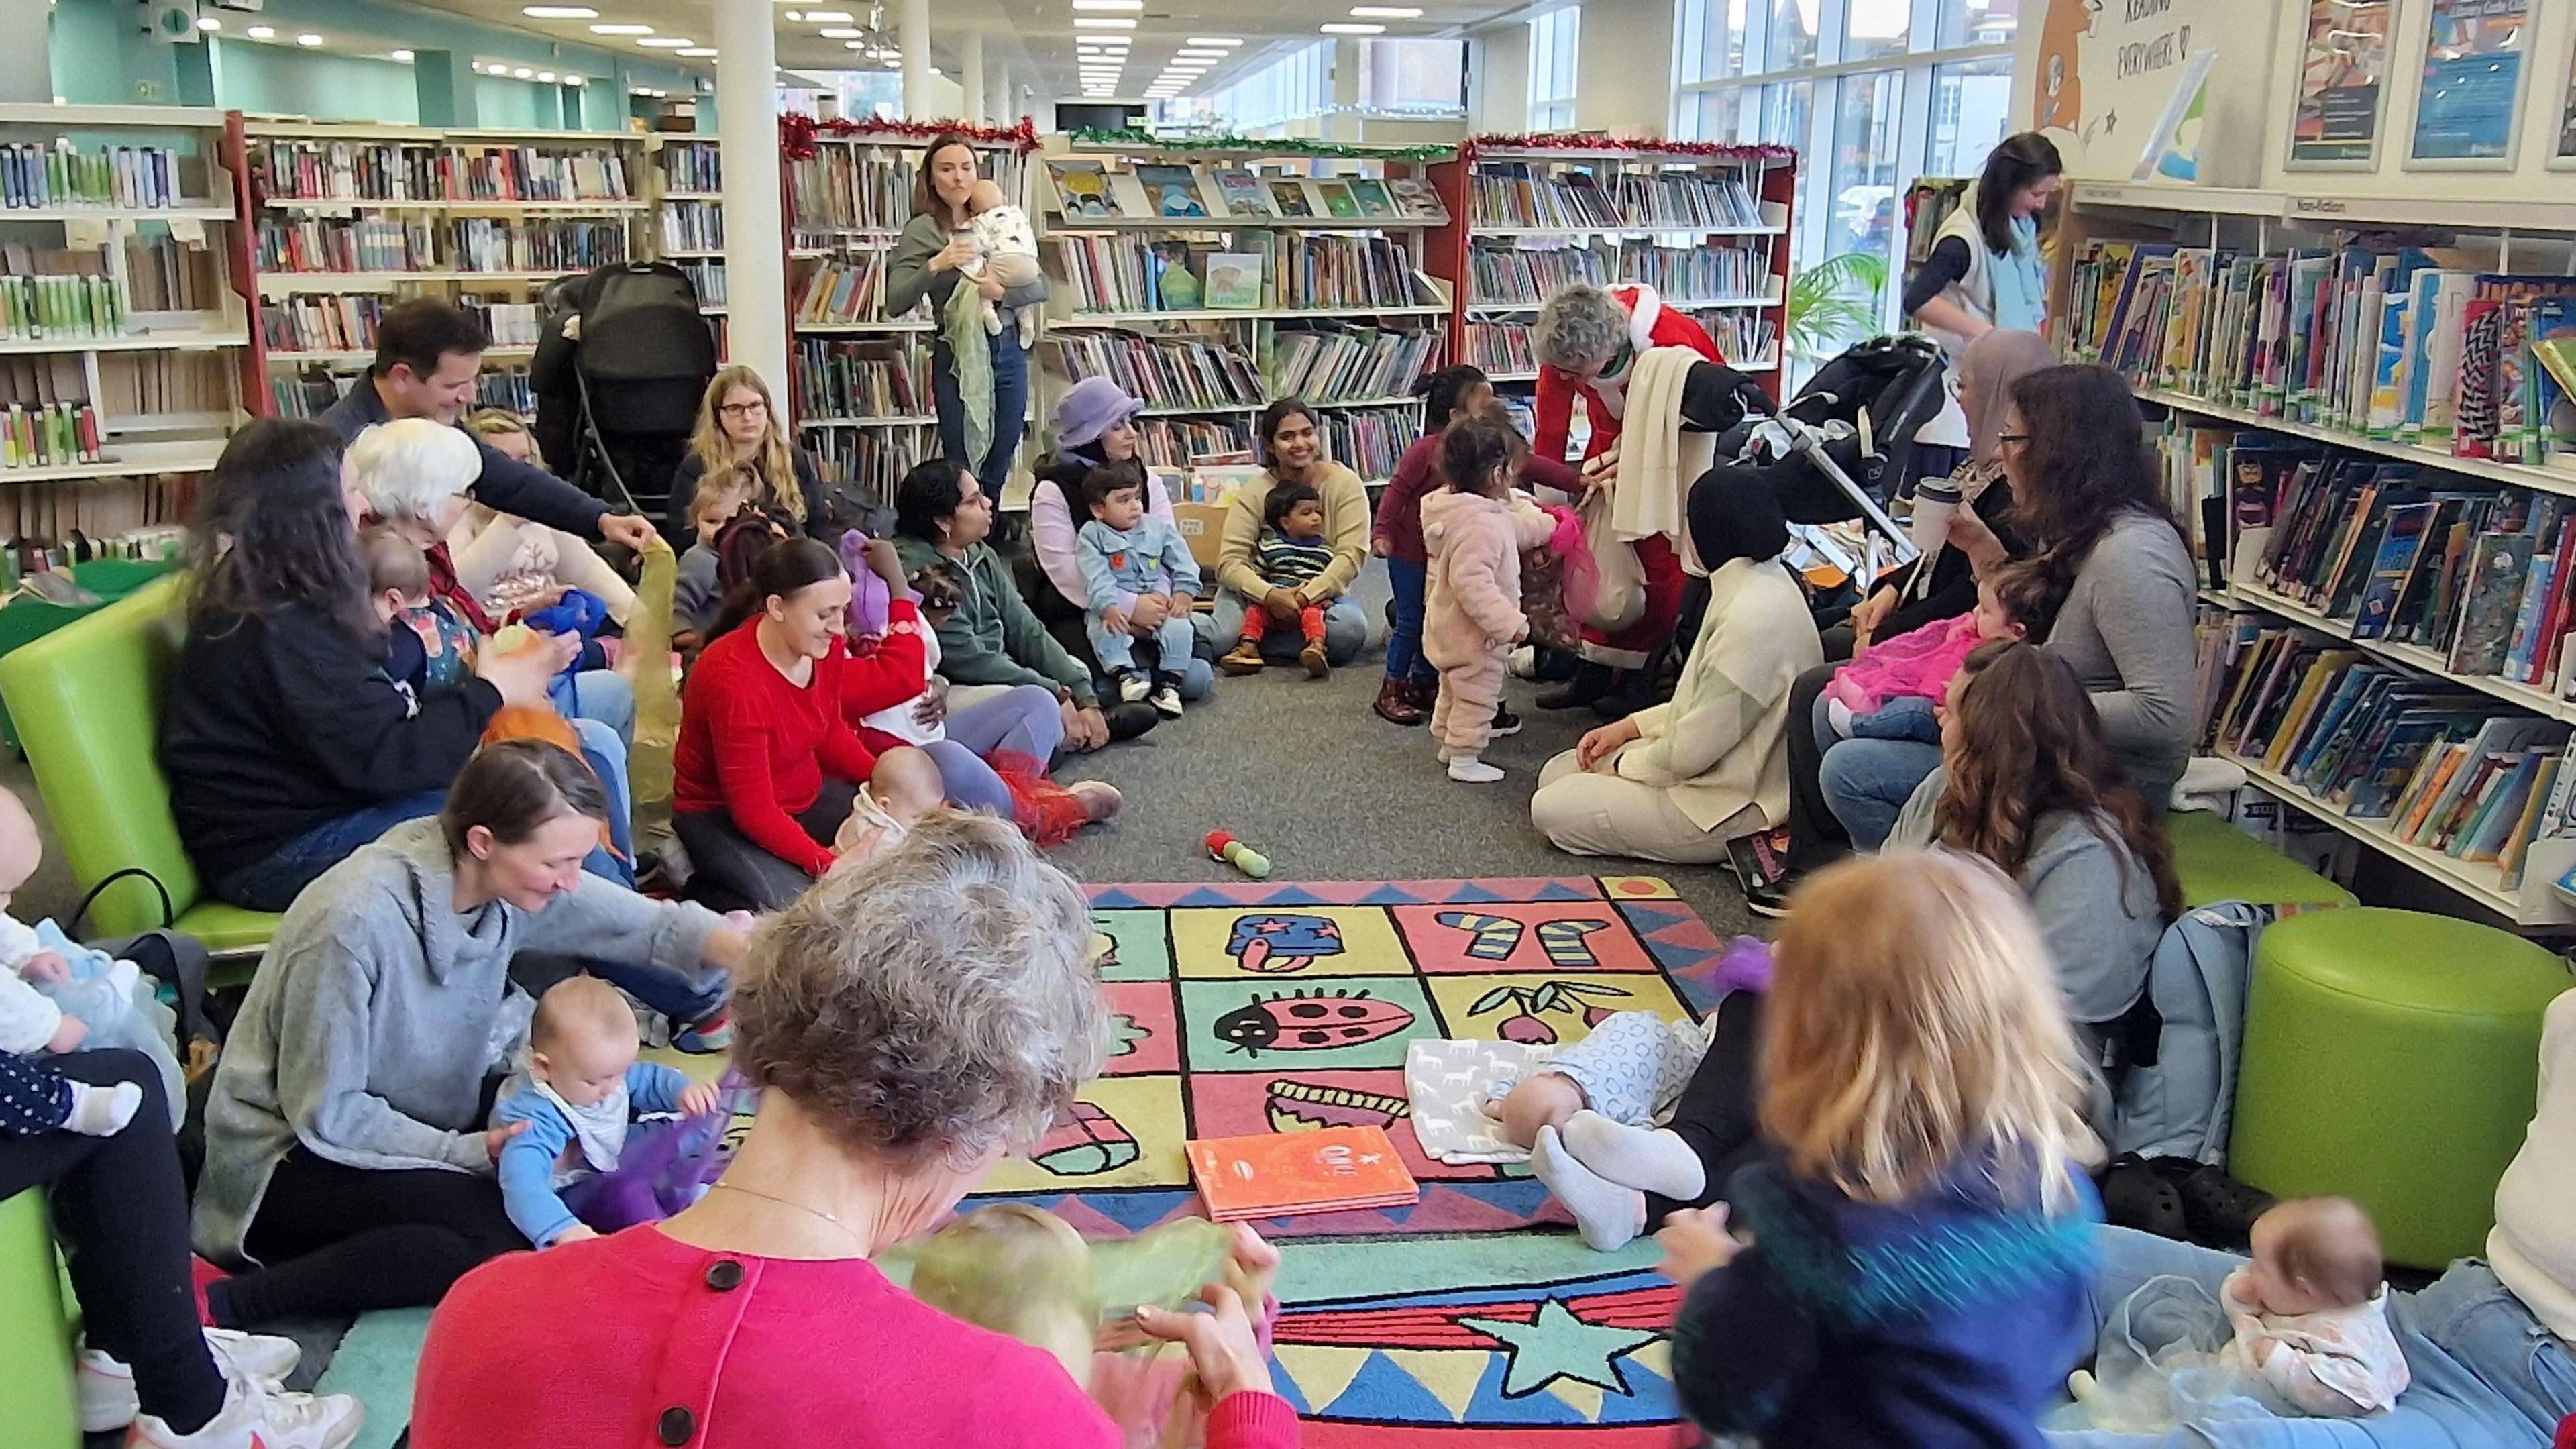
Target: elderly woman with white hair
column 286, row 744
column 908, row 1020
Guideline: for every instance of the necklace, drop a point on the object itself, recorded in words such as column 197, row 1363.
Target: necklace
column 846, row 1230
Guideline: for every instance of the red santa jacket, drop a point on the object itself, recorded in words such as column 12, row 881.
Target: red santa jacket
column 1650, row 324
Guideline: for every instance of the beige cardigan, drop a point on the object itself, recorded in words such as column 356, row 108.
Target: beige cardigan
column 1722, row 743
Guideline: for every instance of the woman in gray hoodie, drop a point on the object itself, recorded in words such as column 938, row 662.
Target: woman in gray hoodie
column 347, row 1164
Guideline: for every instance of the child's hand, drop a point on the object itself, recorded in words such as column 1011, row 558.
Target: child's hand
column 47, row 968
column 1113, row 620
column 700, row 1099
column 577, row 1233
column 2262, row 1350
column 1377, row 548
column 1696, row 1243
column 1222, row 1346
column 68, row 1036
column 1252, row 1265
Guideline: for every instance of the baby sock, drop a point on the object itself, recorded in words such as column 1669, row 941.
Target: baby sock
column 1656, row 1162
column 1839, row 715
column 1608, row 1215
column 102, row 1111
column 1468, row 770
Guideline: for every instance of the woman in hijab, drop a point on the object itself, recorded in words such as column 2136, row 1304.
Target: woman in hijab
column 1987, row 371
column 1676, row 782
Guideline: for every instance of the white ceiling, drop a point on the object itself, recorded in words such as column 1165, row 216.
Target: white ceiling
column 1034, row 38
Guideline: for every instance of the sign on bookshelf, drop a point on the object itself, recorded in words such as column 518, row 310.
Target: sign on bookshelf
column 2470, row 105
column 2343, row 90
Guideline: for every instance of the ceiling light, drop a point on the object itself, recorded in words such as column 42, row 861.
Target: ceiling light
column 1345, row 29
column 524, row 73
column 841, row 32
column 854, row 45
column 621, row 29
column 308, row 38
column 575, row 80
column 665, row 42
column 792, row 15
column 1203, row 54
column 1388, row 12
column 558, row 12
column 1103, row 22
column 402, row 56
column 1129, row 5
column 1228, row 41
column 208, row 22
column 698, row 52
column 260, row 32
column 827, row 17
column 546, row 75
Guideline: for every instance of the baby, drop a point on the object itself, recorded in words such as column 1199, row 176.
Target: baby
column 1291, row 551
column 695, row 597
column 938, row 588
column 904, row 787
column 579, row 1092
column 1125, row 550
column 1889, row 689
column 2311, row 1311
column 398, row 587
column 1010, row 252
column 57, row 995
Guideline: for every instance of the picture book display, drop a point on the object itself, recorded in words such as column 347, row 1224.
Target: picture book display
column 1291, row 198
column 1276, row 1174
column 1243, row 192
column 1174, row 190
column 1234, row 280
column 1082, row 189
column 1338, row 200
column 1373, row 198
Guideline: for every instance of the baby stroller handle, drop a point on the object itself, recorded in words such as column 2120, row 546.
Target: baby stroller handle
column 1808, row 443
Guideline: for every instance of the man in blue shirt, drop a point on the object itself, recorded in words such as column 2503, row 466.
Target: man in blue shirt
column 428, row 353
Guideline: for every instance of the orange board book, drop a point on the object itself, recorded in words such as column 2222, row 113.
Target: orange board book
column 1274, row 1174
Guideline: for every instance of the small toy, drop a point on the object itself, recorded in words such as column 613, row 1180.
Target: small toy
column 1223, row 846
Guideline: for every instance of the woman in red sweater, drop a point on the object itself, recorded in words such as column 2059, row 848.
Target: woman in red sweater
column 908, row 1021
column 767, row 766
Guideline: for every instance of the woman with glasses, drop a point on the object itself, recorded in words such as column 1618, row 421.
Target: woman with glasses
column 739, row 426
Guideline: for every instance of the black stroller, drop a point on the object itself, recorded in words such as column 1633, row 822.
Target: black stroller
column 619, row 374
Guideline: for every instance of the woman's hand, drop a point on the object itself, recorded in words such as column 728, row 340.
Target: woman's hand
column 1696, row 1243
column 523, row 675
column 1281, row 604
column 1869, row 614
column 885, row 564
column 1974, row 541
column 958, row 252
column 631, row 529
column 1602, row 741
column 991, row 286
column 700, row 1099
column 499, row 1137
column 932, row 707
column 1377, row 548
column 1151, row 611
column 1221, row 1342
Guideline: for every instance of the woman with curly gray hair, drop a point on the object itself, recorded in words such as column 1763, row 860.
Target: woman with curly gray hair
column 909, row 1020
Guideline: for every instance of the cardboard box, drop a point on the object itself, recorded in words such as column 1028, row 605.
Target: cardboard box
column 1201, row 526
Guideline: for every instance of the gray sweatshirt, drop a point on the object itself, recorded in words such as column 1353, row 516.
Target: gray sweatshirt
column 2126, row 631
column 378, row 1011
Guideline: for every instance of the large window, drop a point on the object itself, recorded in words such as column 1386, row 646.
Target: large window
column 1553, row 39
column 1873, row 93
column 1294, row 87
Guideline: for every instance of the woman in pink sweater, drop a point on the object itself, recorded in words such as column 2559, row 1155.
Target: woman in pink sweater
column 909, row 1021
column 1472, row 617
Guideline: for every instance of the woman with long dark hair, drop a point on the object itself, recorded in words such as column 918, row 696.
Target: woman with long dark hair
column 1292, row 451
column 1985, row 271
column 285, row 743
column 925, row 263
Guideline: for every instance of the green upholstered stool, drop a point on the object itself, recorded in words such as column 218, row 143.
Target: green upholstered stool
column 38, row 1399
column 2392, row 1057
column 2218, row 862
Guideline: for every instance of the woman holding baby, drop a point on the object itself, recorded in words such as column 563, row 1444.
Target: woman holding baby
column 909, row 1021
column 936, row 251
column 739, row 427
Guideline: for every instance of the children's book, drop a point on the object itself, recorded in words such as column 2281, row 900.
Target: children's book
column 1273, row 1174
column 1242, row 191
column 2399, row 546
column 1234, row 280
column 1082, row 189
column 1338, row 200
column 1373, row 198
column 1174, row 190
column 1418, row 200
column 1176, row 287
column 1291, row 197
column 2491, row 598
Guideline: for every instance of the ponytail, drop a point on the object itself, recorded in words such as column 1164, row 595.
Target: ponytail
column 780, row 568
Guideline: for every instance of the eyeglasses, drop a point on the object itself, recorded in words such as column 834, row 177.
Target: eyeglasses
column 743, row 410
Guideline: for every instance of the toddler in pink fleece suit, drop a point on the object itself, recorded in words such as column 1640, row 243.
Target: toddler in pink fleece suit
column 1889, row 689
column 1472, row 611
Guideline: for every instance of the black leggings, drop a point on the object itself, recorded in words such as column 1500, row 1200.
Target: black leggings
column 735, row 865
column 122, row 1211
column 343, row 1240
column 1816, row 838
column 1717, row 1114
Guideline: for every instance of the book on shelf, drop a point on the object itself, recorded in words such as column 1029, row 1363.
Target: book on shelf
column 1497, row 346
column 1343, row 366
column 1373, row 199
column 1176, row 284
column 877, row 378
column 1369, row 441
column 1242, row 191
column 1520, row 194
column 34, row 175
column 1178, row 442
column 870, row 461
column 864, row 184
column 1082, row 189
column 1418, row 201
column 173, row 385
column 1173, row 190
column 692, row 226
column 691, row 165
column 1686, row 200
column 1164, row 372
column 1291, row 197
column 843, row 289
column 1337, row 199
column 1234, row 281
column 1504, row 271
column 57, row 307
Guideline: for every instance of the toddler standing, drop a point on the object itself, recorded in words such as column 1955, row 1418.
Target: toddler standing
column 1291, row 551
column 1126, row 550
column 1472, row 611
column 1888, row 690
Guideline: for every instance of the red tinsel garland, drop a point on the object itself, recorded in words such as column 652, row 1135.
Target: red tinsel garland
column 797, row 133
column 1603, row 141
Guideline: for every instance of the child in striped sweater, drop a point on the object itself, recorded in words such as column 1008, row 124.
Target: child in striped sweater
column 1291, row 552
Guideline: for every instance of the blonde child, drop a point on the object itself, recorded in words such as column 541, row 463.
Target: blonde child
column 1889, row 689
column 579, row 1091
column 1921, row 1249
column 695, row 596
column 1471, row 617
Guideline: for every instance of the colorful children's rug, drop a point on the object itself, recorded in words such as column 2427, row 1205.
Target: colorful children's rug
column 1473, row 1319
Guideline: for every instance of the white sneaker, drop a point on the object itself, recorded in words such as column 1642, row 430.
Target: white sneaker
column 1839, row 715
column 1524, row 663
column 1468, row 770
column 107, row 1386
column 260, row 1415
column 1166, row 700
column 1133, row 686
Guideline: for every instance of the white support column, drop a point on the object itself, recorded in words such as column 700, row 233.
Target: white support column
column 1623, row 67
column 1005, row 100
column 26, row 64
column 1349, row 60
column 970, row 74
column 1498, row 79
column 755, row 235
column 912, row 32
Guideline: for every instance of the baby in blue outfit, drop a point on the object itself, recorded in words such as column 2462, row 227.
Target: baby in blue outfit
column 579, row 1092
column 1124, row 549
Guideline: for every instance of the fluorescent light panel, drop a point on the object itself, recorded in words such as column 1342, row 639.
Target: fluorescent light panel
column 524, row 73
column 698, row 52
column 1129, row 6
column 1340, row 28
column 621, row 29
column 404, row 56
column 665, row 42
column 841, row 32
column 827, row 17
column 260, row 32
column 558, row 12
column 308, row 39
column 1387, row 12
column 208, row 22
column 1103, row 22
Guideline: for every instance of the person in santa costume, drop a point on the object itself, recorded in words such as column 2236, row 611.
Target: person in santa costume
column 1587, row 342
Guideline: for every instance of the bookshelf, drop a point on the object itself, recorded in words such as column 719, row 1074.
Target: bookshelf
column 2299, row 349
column 1210, row 280
column 1706, row 227
column 346, row 220
column 124, row 331
column 686, row 180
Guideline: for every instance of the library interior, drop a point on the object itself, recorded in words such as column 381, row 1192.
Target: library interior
column 692, row 686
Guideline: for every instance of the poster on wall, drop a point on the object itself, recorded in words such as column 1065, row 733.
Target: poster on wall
column 2116, row 85
column 2471, row 101
column 2565, row 157
column 2342, row 86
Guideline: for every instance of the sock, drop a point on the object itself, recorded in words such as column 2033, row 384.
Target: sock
column 1608, row 1215
column 102, row 1111
column 1467, row 769
column 1839, row 715
column 1656, row 1162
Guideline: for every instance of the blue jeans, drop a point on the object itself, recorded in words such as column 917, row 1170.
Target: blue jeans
column 1345, row 629
column 1010, row 404
column 272, row 884
column 606, row 755
column 1412, row 583
column 1867, row 782
column 1177, row 639
column 1906, row 717
column 2485, row 1372
column 597, row 694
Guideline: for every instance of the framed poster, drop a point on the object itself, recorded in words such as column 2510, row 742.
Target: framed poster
column 2469, row 111
column 2343, row 91
column 2563, row 156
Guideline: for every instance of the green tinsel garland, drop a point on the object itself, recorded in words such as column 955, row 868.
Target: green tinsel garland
column 1272, row 146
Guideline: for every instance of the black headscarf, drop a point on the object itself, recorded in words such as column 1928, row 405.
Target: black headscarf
column 1734, row 514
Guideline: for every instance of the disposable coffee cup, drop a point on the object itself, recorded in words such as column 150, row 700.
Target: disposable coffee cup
column 1935, row 499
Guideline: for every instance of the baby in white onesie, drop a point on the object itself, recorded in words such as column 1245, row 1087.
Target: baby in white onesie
column 2311, row 1311
column 1009, row 247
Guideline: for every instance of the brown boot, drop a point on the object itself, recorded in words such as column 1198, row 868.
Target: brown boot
column 1243, row 658
column 1312, row 656
column 1395, row 704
